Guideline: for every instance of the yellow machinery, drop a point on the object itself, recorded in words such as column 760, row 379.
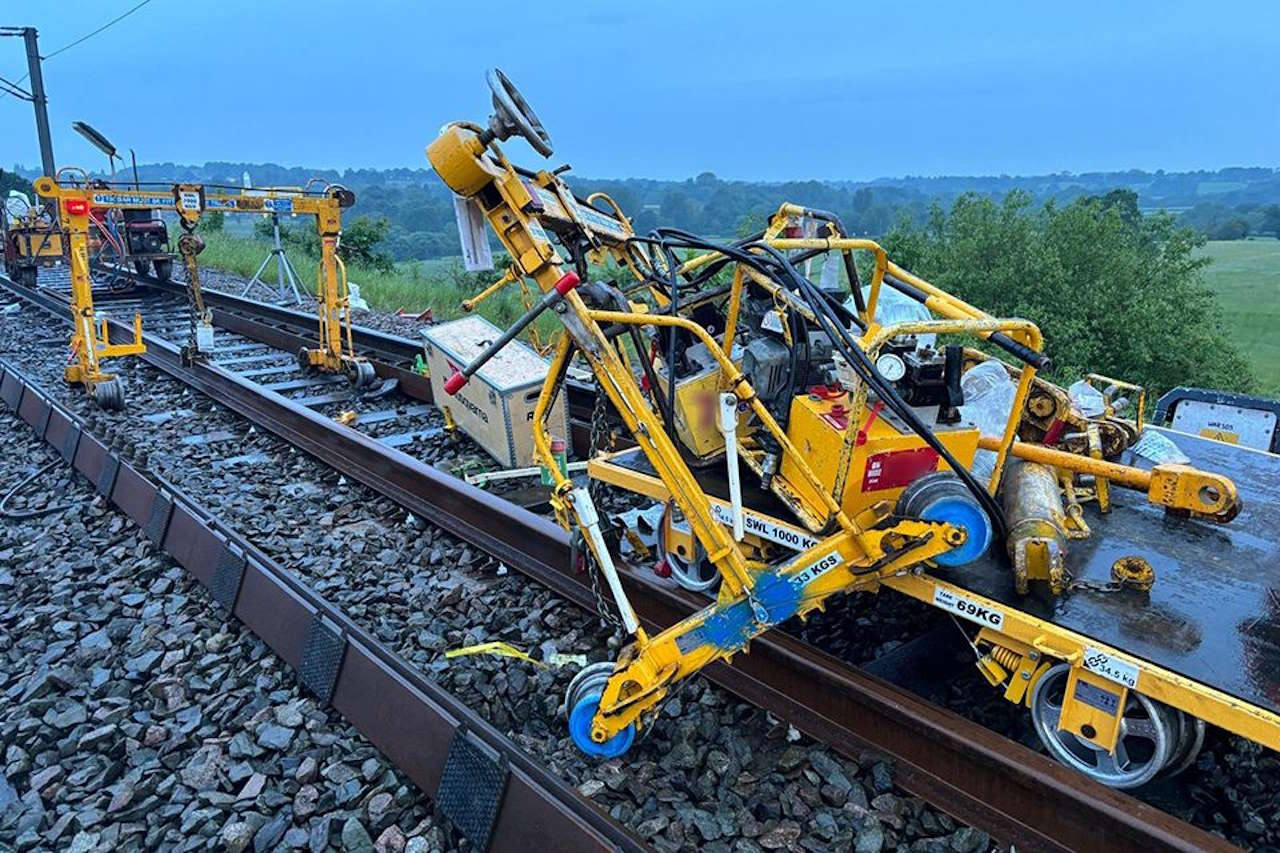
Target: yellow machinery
column 30, row 241
column 804, row 445
column 334, row 352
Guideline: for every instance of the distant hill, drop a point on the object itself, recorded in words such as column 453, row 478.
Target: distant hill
column 1224, row 203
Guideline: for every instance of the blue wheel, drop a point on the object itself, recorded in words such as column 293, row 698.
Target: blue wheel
column 942, row 497
column 962, row 512
column 580, row 730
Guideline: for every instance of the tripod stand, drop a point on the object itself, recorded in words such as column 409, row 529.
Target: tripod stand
column 284, row 269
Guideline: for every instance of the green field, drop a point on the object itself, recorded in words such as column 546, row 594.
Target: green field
column 1246, row 276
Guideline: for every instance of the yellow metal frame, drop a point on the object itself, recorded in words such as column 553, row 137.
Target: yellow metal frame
column 334, row 351
column 1034, row 642
column 854, row 550
column 90, row 343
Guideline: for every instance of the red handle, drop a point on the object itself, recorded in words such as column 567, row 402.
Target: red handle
column 567, row 282
column 454, row 384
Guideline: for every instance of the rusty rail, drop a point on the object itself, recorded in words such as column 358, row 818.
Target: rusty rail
column 977, row 776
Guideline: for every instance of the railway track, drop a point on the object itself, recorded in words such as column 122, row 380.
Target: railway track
column 966, row 770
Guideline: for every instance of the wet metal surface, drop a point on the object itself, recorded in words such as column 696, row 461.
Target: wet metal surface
column 1214, row 612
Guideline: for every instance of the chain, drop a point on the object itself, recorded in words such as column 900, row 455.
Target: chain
column 190, row 245
column 1127, row 573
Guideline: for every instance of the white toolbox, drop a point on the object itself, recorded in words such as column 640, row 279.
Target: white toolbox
column 496, row 407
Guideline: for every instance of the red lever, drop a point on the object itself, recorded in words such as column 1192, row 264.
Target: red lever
column 567, row 282
column 454, row 383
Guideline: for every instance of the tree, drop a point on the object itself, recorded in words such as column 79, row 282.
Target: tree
column 1271, row 220
column 359, row 242
column 212, row 220
column 1111, row 294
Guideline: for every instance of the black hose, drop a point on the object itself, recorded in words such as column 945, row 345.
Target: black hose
column 24, row 515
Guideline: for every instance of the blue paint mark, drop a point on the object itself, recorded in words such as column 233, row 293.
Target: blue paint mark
column 732, row 625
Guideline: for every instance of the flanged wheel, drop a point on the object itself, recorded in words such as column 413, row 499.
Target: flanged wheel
column 582, row 700
column 361, row 373
column 109, row 394
column 304, row 360
column 590, row 679
column 1187, row 747
column 942, row 496
column 695, row 573
column 1146, row 741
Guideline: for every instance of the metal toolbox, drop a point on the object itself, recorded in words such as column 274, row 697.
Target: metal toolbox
column 496, row 408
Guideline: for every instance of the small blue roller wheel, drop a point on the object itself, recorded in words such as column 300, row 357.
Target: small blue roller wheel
column 580, row 730
column 943, row 497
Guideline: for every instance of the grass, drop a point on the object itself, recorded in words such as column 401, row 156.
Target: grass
column 1246, row 276
column 440, row 285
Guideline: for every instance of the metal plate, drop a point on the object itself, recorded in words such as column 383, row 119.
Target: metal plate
column 158, row 522
column 471, row 788
column 70, row 441
column 107, row 476
column 1214, row 612
column 322, row 658
column 11, row 389
column 228, row 573
column 42, row 420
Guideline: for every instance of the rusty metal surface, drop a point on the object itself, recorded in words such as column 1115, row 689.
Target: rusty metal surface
column 1020, row 796
column 412, row 720
column 1214, row 612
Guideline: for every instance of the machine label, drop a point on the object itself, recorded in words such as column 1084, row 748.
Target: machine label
column 967, row 608
column 896, row 468
column 765, row 529
column 815, row 570
column 188, row 200
column 1110, row 667
column 1096, row 697
column 128, row 199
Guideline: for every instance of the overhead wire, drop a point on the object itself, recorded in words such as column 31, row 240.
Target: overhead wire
column 80, row 40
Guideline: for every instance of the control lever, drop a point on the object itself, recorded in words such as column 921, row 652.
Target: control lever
column 567, row 282
column 949, row 411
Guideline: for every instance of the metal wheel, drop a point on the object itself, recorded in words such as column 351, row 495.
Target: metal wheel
column 590, row 679
column 361, row 373
column 164, row 268
column 27, row 276
column 1147, row 735
column 142, row 266
column 1187, row 749
column 943, row 497
column 697, row 574
column 109, row 394
column 304, row 360
column 582, row 700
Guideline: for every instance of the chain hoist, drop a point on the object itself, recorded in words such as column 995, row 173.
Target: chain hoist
column 190, row 245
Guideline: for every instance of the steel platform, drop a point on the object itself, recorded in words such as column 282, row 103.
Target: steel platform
column 1214, row 613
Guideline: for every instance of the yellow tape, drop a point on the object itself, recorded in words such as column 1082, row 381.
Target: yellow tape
column 503, row 650
column 506, row 650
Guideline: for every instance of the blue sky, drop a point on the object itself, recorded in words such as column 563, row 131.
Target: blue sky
column 668, row 90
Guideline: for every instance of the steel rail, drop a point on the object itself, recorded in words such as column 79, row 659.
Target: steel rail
column 392, row 355
column 414, row 721
column 961, row 767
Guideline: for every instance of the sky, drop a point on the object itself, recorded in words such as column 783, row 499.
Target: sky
column 666, row 89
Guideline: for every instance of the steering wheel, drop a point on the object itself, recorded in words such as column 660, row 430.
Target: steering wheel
column 512, row 114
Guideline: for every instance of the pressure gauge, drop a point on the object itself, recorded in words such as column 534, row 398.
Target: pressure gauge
column 891, row 367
